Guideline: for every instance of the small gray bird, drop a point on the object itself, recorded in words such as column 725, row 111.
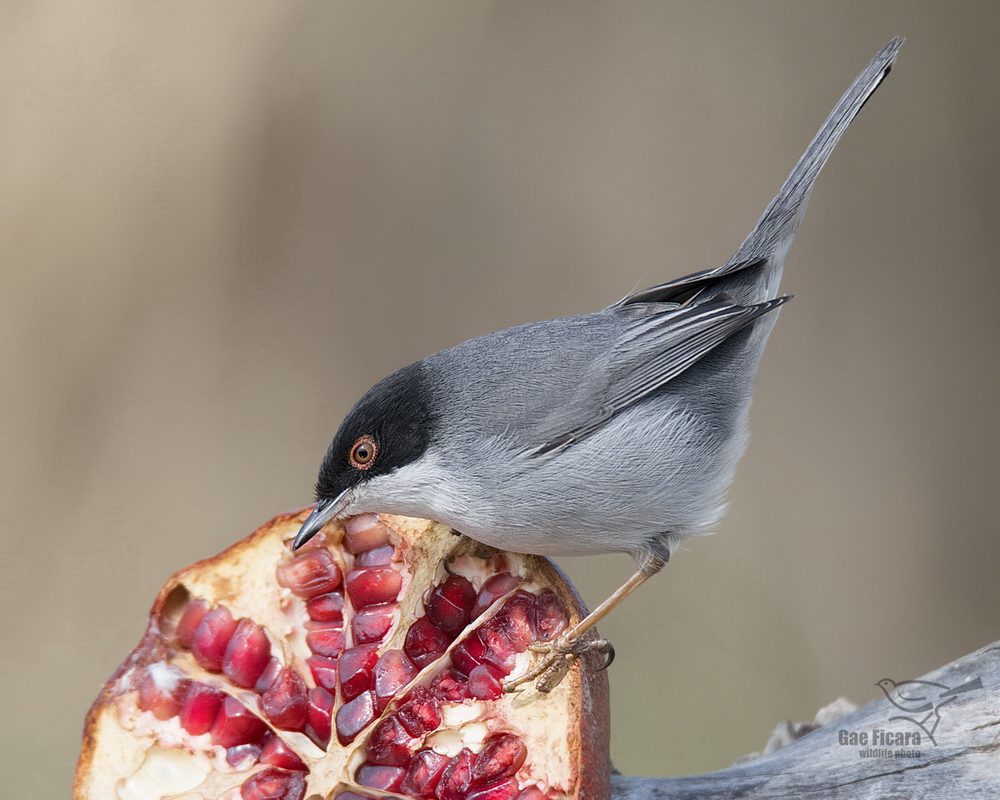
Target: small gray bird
column 615, row 431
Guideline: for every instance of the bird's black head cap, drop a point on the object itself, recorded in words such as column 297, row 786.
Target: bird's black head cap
column 391, row 426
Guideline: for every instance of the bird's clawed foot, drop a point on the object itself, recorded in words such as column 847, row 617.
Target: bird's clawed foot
column 557, row 658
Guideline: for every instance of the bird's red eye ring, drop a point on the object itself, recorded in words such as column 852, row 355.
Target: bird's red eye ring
column 363, row 453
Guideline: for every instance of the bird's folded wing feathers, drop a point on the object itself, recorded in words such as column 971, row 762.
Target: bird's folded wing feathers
column 653, row 350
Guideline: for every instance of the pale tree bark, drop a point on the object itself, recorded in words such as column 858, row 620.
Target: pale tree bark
column 960, row 760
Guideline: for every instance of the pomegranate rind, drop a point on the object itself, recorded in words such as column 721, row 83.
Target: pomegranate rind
column 566, row 731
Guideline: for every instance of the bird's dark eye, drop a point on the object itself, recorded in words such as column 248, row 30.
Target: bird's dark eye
column 363, row 453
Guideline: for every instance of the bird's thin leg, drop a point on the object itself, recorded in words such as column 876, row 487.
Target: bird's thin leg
column 568, row 646
column 599, row 613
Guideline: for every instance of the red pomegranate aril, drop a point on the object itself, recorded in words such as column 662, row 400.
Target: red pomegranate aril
column 484, row 683
column 468, row 654
column 425, row 642
column 162, row 691
column 326, row 638
column 324, row 671
column 456, row 777
column 365, row 532
column 449, row 685
column 532, row 793
column 243, row 756
column 211, row 638
column 501, row 757
column 420, row 713
column 277, row 753
column 392, row 672
column 247, row 654
column 389, row 745
column 374, row 585
column 274, row 784
column 494, row 587
column 516, row 620
column 353, row 717
column 355, row 796
column 189, row 621
column 200, row 708
column 355, row 669
column 450, row 604
column 502, row 790
column 550, row 617
column 327, row 607
column 286, row 700
column 311, row 573
column 423, row 774
column 319, row 716
column 236, row 724
column 267, row 676
column 499, row 651
column 379, row 557
column 373, row 623
column 388, row 779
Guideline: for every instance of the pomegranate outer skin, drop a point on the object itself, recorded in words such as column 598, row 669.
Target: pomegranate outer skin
column 104, row 760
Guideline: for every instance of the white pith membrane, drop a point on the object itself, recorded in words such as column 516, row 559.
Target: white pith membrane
column 135, row 754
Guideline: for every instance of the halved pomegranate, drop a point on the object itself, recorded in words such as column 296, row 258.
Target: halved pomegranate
column 370, row 662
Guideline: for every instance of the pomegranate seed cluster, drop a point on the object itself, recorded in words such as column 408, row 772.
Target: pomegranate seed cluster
column 366, row 668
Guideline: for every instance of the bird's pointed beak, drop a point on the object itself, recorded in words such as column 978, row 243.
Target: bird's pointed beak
column 324, row 511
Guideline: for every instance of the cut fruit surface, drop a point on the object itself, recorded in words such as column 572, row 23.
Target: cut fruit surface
column 370, row 662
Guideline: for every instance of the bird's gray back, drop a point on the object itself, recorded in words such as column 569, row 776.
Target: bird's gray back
column 512, row 381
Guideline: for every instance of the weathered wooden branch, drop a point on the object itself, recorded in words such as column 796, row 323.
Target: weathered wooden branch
column 960, row 760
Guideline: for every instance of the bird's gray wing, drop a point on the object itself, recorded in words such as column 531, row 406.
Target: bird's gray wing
column 652, row 350
column 753, row 272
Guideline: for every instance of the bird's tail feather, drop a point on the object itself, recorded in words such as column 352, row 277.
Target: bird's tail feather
column 753, row 273
column 776, row 226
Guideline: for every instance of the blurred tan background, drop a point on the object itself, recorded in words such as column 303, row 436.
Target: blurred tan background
column 221, row 222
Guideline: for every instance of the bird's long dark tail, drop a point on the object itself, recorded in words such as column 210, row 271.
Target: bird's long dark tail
column 772, row 235
column 753, row 273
